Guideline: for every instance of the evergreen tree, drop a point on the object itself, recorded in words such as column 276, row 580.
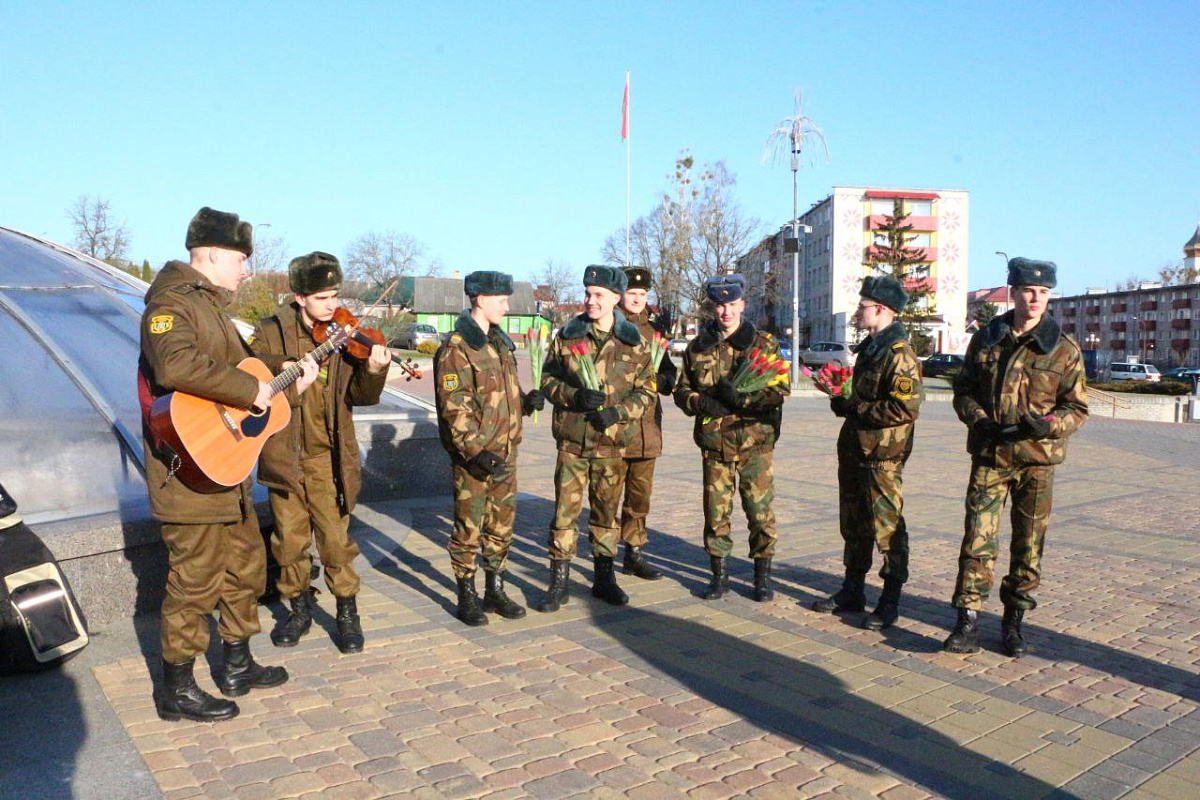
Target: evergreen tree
column 985, row 313
column 147, row 273
column 893, row 257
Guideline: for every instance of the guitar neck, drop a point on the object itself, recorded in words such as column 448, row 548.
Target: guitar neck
column 290, row 375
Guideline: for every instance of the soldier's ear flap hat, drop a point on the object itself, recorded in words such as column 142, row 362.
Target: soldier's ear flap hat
column 639, row 277
column 885, row 290
column 611, row 278
column 487, row 282
column 1028, row 272
column 725, row 288
column 315, row 272
column 210, row 228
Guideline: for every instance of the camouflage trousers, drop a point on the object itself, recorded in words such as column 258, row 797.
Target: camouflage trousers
column 1032, row 490
column 312, row 514
column 601, row 478
column 214, row 566
column 484, row 512
column 639, row 482
column 870, row 510
column 754, row 477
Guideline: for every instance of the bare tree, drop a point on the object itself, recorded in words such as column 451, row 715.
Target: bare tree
column 96, row 233
column 1129, row 284
column 556, row 285
column 380, row 258
column 270, row 255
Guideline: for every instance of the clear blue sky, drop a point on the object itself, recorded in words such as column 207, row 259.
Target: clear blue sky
column 490, row 131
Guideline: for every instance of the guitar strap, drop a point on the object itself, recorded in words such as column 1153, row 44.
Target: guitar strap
column 146, row 400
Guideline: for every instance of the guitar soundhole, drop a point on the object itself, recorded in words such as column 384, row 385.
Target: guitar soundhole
column 253, row 426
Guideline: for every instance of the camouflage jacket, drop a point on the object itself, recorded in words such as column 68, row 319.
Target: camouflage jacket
column 645, row 440
column 626, row 378
column 751, row 429
column 885, row 398
column 280, row 338
column 190, row 344
column 478, row 395
column 1005, row 376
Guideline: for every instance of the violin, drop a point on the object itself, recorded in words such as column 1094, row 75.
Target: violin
column 360, row 340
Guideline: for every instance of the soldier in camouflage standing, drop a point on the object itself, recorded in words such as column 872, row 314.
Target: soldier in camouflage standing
column 875, row 442
column 645, row 442
column 479, row 408
column 1022, row 392
column 736, row 433
column 591, row 427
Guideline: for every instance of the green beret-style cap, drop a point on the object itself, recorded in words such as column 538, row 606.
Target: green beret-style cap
column 639, row 278
column 487, row 282
column 725, row 288
column 315, row 272
column 886, row 290
column 611, row 278
column 1028, row 272
column 210, row 228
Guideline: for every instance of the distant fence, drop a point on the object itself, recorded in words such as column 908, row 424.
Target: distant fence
column 1149, row 407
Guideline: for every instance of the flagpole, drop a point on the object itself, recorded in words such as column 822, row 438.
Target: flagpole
column 628, row 260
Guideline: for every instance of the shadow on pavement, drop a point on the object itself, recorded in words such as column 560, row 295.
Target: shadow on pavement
column 42, row 729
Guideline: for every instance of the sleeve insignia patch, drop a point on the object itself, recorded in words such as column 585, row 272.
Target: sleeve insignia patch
column 162, row 323
column 898, row 346
column 904, row 388
column 450, row 381
column 455, row 338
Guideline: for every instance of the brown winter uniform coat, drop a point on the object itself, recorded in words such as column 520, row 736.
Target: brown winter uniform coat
column 189, row 344
column 477, row 393
column 885, row 398
column 1006, row 376
column 281, row 338
column 755, row 427
column 626, row 377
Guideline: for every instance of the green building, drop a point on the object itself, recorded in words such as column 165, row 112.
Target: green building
column 438, row 301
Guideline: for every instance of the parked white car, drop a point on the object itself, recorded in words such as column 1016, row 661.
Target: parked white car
column 1134, row 372
column 823, row 353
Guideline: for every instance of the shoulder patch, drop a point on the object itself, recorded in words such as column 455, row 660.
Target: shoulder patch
column 904, row 388
column 898, row 345
column 252, row 339
column 455, row 338
column 450, row 381
column 162, row 323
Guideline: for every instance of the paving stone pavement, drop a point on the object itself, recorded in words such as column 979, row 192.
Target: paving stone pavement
column 676, row 697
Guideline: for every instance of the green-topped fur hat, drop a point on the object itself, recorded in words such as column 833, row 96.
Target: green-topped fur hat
column 611, row 278
column 315, row 272
column 1028, row 272
column 639, row 278
column 885, row 290
column 487, row 282
column 210, row 228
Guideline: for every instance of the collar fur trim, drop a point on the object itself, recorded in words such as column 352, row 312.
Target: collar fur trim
column 873, row 347
column 1045, row 336
column 709, row 337
column 469, row 329
column 623, row 329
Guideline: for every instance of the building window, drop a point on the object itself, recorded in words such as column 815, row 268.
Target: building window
column 920, row 208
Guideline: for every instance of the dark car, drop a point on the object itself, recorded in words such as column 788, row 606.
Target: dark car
column 940, row 363
column 1182, row 374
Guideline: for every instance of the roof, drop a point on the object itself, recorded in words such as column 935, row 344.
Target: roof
column 1193, row 243
column 996, row 294
column 446, row 296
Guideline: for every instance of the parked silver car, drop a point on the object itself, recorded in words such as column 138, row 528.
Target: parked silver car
column 823, row 353
column 411, row 334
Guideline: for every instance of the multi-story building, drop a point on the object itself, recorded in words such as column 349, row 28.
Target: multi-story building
column 1153, row 323
column 998, row 296
column 841, row 232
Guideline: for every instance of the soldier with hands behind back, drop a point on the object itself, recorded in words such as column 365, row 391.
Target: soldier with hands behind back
column 479, row 408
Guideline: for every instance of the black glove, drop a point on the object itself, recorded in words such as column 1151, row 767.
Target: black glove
column 587, row 399
column 989, row 429
column 1032, row 426
column 485, row 465
column 667, row 373
column 725, row 394
column 602, row 419
column 840, row 406
column 711, row 407
column 532, row 401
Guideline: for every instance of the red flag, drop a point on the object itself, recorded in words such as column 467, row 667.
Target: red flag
column 625, row 110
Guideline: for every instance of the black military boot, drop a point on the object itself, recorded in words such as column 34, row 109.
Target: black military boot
column 888, row 610
column 965, row 636
column 242, row 673
column 180, row 698
column 469, row 612
column 718, row 585
column 350, row 636
column 494, row 598
column 556, row 595
column 851, row 597
column 297, row 623
column 763, row 592
column 637, row 566
column 1010, row 631
column 605, row 587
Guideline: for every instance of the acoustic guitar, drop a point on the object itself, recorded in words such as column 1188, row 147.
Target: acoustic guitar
column 213, row 446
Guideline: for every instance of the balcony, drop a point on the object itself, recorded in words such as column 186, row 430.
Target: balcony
column 1183, row 345
column 1069, row 311
column 1148, row 325
column 1092, row 327
column 1119, row 308
column 926, row 253
column 1092, row 311
column 1181, row 324
column 919, row 224
column 1148, row 305
column 920, row 285
column 1119, row 327
column 1068, row 327
column 1183, row 302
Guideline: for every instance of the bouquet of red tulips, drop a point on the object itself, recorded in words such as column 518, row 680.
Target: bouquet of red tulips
column 832, row 379
column 658, row 347
column 587, row 365
column 758, row 371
